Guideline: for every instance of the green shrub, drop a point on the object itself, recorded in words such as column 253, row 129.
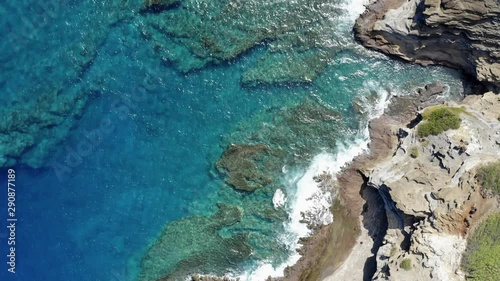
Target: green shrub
column 481, row 260
column 405, row 264
column 413, row 152
column 489, row 176
column 439, row 119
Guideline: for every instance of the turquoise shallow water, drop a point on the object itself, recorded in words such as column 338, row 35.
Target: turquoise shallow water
column 152, row 169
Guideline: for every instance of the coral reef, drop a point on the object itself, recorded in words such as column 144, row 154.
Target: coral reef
column 197, row 247
column 198, row 33
column 254, row 165
column 30, row 133
column 45, row 108
column 159, row 5
column 239, row 162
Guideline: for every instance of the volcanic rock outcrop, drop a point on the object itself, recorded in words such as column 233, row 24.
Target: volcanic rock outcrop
column 435, row 197
column 432, row 197
column 463, row 34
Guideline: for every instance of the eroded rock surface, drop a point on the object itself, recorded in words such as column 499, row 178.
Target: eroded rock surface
column 434, row 198
column 463, row 34
column 432, row 201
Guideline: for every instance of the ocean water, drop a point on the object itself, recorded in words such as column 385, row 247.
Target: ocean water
column 121, row 130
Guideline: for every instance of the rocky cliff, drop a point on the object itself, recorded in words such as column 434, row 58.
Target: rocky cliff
column 436, row 196
column 463, row 34
column 432, row 198
column 406, row 207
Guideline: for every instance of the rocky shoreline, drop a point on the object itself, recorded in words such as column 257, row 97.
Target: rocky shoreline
column 392, row 206
column 461, row 34
column 406, row 207
column 431, row 201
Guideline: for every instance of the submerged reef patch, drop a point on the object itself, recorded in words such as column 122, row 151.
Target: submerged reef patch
column 239, row 162
column 55, row 90
column 305, row 129
column 159, row 5
column 194, row 245
column 258, row 150
column 197, row 33
column 250, row 166
column 29, row 133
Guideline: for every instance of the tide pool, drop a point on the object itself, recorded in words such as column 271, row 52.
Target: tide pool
column 138, row 166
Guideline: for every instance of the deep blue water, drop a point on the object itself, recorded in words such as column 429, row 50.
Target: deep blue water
column 162, row 132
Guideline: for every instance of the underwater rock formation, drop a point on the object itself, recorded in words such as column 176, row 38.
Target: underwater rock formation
column 462, row 34
column 253, row 156
column 54, row 96
column 198, row 33
column 251, row 166
column 194, row 245
column 239, row 162
column 159, row 5
column 30, row 133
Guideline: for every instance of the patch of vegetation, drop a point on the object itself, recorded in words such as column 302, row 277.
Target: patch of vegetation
column 394, row 250
column 429, row 111
column 489, row 177
column 413, row 152
column 425, row 142
column 440, row 119
column 405, row 264
column 481, row 259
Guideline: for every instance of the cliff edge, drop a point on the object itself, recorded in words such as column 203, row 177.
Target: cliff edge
column 462, row 34
column 432, row 197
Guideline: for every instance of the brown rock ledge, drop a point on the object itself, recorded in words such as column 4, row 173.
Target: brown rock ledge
column 462, row 34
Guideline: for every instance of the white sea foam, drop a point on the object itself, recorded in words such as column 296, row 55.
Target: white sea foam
column 309, row 201
column 355, row 8
column 279, row 199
